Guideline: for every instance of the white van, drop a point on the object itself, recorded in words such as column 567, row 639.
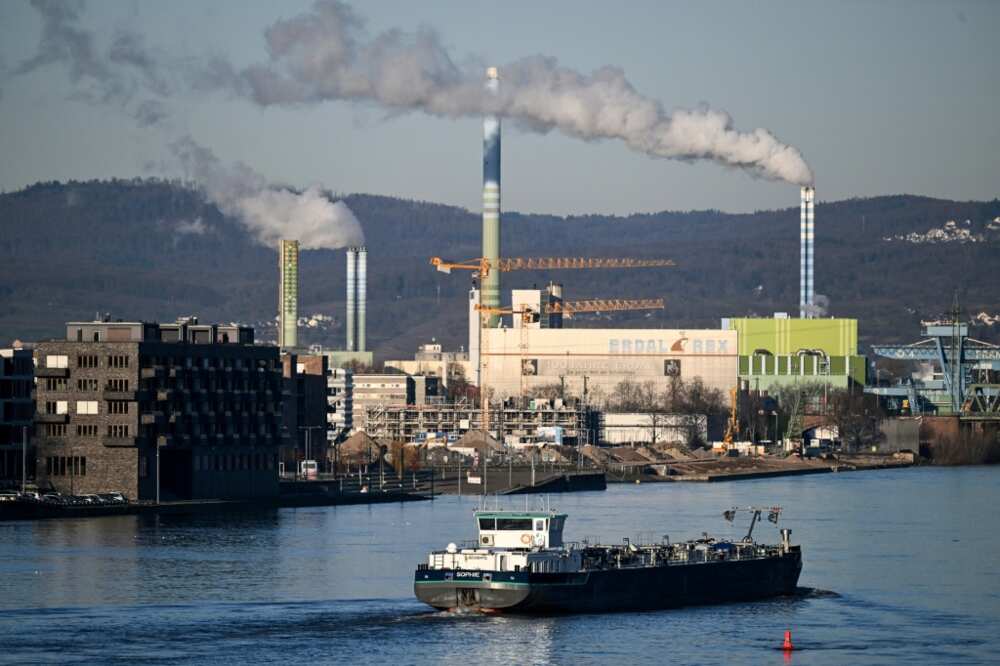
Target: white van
column 308, row 469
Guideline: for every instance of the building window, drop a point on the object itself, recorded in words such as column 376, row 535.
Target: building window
column 117, row 407
column 56, row 361
column 117, row 361
column 56, row 384
column 87, row 430
column 83, row 466
column 55, row 429
column 86, row 361
column 117, row 430
column 48, row 466
column 56, row 406
column 117, row 384
column 86, row 406
column 86, row 384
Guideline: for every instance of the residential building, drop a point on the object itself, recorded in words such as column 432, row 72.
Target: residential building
column 306, row 406
column 183, row 410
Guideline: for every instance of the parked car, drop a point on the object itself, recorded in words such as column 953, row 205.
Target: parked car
column 8, row 497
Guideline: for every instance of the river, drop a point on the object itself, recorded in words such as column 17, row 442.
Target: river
column 899, row 565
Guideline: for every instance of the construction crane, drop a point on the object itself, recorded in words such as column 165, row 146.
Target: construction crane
column 566, row 308
column 483, row 266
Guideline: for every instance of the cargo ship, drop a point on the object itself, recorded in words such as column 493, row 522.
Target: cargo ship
column 521, row 564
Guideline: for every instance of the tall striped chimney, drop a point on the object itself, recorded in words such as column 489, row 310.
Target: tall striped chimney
column 288, row 294
column 362, row 298
column 807, row 237
column 491, row 200
column 352, row 290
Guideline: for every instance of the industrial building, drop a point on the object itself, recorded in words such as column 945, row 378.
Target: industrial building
column 17, row 413
column 176, row 411
column 955, row 375
column 782, row 351
column 590, row 362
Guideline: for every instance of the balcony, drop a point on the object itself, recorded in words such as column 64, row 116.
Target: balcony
column 51, row 418
column 153, row 418
column 111, row 394
column 52, row 372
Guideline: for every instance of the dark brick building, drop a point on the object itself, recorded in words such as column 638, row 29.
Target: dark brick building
column 120, row 403
column 306, row 408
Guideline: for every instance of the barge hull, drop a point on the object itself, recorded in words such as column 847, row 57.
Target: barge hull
column 610, row 590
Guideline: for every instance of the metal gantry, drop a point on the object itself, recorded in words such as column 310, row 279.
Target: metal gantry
column 963, row 369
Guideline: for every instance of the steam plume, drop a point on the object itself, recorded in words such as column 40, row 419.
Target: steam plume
column 269, row 213
column 324, row 54
column 118, row 74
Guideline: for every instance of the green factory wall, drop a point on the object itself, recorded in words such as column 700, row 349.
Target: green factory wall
column 805, row 368
column 837, row 337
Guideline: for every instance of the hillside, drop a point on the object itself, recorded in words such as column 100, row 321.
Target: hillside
column 155, row 249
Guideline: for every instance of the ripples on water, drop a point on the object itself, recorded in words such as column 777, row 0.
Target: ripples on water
column 899, row 566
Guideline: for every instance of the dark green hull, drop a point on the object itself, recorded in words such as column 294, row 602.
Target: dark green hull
column 609, row 590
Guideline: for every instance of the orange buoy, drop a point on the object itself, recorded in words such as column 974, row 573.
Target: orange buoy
column 787, row 645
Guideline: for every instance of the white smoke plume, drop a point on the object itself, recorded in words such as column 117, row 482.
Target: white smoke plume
column 324, row 54
column 117, row 74
column 269, row 213
column 820, row 307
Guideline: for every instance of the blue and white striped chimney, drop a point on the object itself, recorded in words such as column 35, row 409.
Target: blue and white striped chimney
column 807, row 237
column 490, row 287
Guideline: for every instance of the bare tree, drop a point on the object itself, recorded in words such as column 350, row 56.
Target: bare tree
column 857, row 418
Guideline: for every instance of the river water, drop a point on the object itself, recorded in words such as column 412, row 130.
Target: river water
column 900, row 565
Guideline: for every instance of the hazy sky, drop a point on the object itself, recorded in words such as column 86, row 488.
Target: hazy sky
column 880, row 98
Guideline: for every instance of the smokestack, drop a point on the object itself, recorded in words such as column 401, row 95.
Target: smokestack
column 807, row 300
column 491, row 200
column 555, row 298
column 352, row 289
column 288, row 294
column 362, row 297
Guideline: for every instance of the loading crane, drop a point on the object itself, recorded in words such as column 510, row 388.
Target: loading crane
column 568, row 308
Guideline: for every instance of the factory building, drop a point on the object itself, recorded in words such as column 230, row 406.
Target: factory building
column 191, row 410
column 783, row 351
column 591, row 362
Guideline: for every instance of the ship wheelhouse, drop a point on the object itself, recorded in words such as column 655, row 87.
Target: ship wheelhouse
column 515, row 530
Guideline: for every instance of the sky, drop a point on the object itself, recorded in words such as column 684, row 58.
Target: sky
column 879, row 98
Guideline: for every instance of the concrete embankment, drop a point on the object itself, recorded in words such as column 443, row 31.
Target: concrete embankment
column 739, row 469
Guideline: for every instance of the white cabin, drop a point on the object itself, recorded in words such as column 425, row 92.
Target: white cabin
column 513, row 541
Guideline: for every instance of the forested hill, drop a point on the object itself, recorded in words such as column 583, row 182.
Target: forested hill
column 155, row 250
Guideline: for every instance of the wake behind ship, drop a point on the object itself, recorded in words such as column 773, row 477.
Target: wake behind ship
column 520, row 564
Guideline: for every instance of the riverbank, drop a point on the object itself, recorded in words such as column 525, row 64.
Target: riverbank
column 743, row 468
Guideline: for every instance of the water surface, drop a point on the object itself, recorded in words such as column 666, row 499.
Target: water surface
column 903, row 564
